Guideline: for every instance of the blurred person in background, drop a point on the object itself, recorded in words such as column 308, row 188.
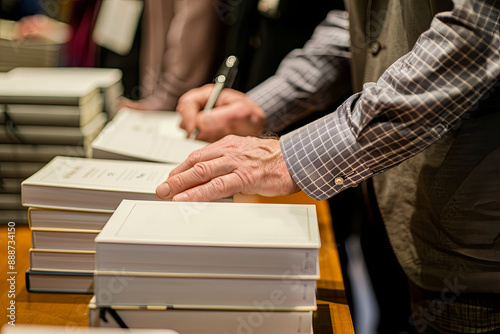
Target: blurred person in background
column 174, row 48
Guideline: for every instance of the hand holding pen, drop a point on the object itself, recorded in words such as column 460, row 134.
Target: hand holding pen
column 234, row 113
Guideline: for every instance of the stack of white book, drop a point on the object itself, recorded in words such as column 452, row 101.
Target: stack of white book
column 144, row 135
column 69, row 201
column 234, row 267
column 26, row 53
column 45, row 112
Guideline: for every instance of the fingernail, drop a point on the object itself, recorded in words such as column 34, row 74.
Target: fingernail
column 181, row 198
column 163, row 190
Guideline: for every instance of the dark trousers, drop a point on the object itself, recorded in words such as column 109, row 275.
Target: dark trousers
column 352, row 217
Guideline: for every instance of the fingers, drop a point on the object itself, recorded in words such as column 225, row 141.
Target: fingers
column 190, row 104
column 217, row 188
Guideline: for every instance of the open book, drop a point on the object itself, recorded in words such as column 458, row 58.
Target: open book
column 144, row 135
column 92, row 184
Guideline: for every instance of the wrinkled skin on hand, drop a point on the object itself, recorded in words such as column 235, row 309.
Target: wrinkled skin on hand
column 246, row 165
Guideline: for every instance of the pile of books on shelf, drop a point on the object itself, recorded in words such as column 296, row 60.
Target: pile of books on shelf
column 207, row 268
column 70, row 200
column 40, row 52
column 45, row 112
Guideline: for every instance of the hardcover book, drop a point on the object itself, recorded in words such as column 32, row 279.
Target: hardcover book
column 204, row 290
column 92, row 184
column 42, row 329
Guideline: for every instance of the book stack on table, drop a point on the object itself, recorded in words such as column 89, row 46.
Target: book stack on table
column 70, row 200
column 45, row 112
column 234, row 267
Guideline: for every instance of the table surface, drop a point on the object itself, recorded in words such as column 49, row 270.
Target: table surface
column 69, row 310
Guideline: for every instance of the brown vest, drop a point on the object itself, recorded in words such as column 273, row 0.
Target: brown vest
column 439, row 209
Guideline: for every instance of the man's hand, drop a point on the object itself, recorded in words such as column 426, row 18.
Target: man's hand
column 234, row 113
column 233, row 165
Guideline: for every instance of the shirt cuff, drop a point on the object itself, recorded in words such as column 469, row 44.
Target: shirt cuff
column 322, row 157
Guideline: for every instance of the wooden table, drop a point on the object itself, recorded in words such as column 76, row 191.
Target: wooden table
column 70, row 310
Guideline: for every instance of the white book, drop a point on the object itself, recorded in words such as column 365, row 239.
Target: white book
column 42, row 90
column 73, row 219
column 203, row 290
column 62, row 260
column 227, row 238
column 10, row 185
column 37, row 153
column 144, row 135
column 43, row 329
column 10, row 202
column 54, row 135
column 60, row 281
column 92, row 184
column 14, row 169
column 68, row 239
column 264, row 319
column 51, row 115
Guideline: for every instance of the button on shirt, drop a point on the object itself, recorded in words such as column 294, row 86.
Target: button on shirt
column 420, row 97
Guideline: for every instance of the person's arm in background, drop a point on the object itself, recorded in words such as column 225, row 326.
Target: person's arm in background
column 308, row 80
column 418, row 99
column 178, row 57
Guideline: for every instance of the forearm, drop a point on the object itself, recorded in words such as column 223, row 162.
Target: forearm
column 414, row 103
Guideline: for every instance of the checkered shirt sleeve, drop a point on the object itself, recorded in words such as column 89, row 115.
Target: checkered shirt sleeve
column 418, row 99
column 308, row 79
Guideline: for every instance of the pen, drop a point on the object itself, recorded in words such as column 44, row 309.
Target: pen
column 224, row 78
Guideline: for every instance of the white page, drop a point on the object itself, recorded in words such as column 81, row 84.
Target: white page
column 147, row 135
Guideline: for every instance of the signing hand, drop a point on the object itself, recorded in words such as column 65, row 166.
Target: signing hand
column 233, row 165
column 234, row 113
